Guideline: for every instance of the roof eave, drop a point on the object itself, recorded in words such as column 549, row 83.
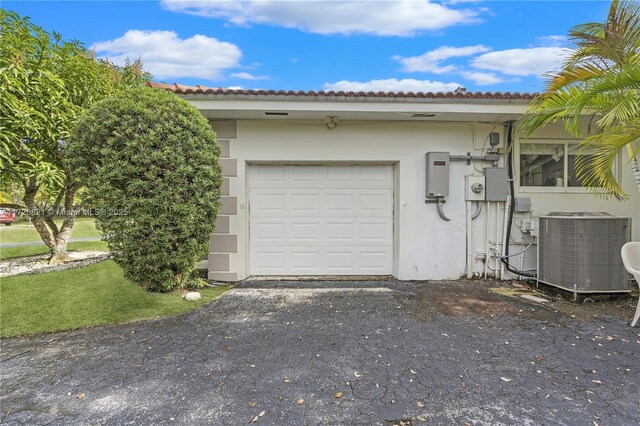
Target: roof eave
column 354, row 99
column 203, row 92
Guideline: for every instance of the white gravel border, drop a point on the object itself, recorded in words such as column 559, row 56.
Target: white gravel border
column 39, row 264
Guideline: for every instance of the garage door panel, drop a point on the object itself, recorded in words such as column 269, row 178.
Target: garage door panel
column 380, row 175
column 270, row 260
column 269, row 203
column 304, row 203
column 374, row 203
column 340, row 261
column 306, row 260
column 358, row 203
column 268, row 177
column 269, row 232
column 332, row 203
column 321, row 220
column 374, row 262
column 305, row 174
column 305, row 232
column 336, row 231
column 340, row 174
column 372, row 232
column 342, row 203
column 322, row 232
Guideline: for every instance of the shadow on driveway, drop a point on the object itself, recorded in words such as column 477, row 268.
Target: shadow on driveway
column 394, row 353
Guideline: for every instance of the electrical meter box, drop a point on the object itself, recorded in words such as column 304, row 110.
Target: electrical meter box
column 522, row 205
column 496, row 184
column 437, row 174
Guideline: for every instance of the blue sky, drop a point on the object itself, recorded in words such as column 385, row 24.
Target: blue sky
column 414, row 45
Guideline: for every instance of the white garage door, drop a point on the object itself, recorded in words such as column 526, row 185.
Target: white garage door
column 321, row 220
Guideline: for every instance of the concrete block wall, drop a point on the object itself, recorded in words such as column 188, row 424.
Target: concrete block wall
column 222, row 241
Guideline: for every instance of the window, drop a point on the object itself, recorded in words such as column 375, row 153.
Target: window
column 549, row 163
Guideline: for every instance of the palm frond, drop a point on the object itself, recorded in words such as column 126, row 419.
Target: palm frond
column 596, row 156
column 568, row 76
column 600, row 79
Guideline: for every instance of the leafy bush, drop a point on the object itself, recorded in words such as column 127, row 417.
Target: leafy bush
column 151, row 165
column 46, row 83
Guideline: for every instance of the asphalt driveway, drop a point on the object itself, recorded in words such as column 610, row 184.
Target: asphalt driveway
column 332, row 354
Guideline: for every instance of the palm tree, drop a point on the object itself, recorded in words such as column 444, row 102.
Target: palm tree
column 601, row 80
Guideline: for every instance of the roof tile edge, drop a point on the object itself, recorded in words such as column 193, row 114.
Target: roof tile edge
column 204, row 90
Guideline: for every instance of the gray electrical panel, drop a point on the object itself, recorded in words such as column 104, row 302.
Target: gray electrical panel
column 437, row 174
column 494, row 138
column 522, row 205
column 496, row 184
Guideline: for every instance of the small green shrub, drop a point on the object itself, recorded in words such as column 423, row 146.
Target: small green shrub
column 151, row 165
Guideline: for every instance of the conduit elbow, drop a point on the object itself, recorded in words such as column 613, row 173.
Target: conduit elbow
column 443, row 216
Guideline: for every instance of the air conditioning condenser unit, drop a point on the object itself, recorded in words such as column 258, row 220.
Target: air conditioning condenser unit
column 580, row 252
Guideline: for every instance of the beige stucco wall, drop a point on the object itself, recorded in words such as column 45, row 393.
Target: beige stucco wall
column 426, row 247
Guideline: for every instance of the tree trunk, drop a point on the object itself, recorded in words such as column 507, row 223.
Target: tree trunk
column 55, row 238
column 37, row 219
column 59, row 251
column 43, row 231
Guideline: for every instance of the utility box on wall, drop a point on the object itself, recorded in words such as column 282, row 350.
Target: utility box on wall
column 496, row 184
column 437, row 174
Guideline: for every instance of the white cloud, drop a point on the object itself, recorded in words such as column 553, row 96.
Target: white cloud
column 166, row 55
column 431, row 61
column 382, row 18
column 554, row 40
column 248, row 76
column 530, row 61
column 482, row 78
column 392, row 85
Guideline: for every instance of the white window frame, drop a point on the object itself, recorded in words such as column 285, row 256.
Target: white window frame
column 565, row 189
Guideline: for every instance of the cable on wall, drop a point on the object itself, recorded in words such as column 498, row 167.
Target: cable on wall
column 505, row 257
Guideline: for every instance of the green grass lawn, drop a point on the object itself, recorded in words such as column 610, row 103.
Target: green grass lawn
column 95, row 295
column 14, row 252
column 19, row 232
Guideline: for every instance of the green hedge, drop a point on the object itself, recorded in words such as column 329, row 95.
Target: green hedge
column 151, row 165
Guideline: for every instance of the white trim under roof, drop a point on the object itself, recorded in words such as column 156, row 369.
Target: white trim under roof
column 256, row 109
